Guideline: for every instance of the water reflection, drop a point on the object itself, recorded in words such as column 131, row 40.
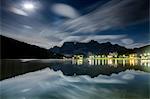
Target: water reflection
column 48, row 84
column 93, row 67
column 145, row 63
column 112, row 62
column 78, row 61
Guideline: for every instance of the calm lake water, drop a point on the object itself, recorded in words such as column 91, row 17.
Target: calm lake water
column 75, row 79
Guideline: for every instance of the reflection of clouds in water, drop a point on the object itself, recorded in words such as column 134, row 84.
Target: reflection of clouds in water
column 128, row 76
column 49, row 83
column 25, row 90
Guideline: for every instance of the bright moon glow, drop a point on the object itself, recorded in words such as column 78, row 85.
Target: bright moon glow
column 28, row 6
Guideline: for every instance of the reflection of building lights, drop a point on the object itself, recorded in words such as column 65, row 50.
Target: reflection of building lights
column 148, row 64
column 116, row 62
column 131, row 62
column 110, row 62
column 123, row 62
column 91, row 62
column 78, row 62
column 102, row 61
column 145, row 63
column 99, row 62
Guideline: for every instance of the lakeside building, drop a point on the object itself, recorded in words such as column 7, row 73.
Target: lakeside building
column 113, row 59
column 145, row 56
column 112, row 55
column 123, row 56
column 133, row 56
column 78, row 57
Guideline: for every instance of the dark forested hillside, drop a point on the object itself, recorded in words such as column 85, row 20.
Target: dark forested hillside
column 12, row 49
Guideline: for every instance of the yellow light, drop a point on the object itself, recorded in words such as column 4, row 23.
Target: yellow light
column 110, row 62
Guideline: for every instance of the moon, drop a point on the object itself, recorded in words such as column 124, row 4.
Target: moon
column 28, row 6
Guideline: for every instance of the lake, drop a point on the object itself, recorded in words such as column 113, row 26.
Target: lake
column 75, row 79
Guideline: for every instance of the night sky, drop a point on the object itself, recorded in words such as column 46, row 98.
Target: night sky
column 47, row 23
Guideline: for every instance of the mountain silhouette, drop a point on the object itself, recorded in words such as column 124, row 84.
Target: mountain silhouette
column 143, row 49
column 13, row 49
column 93, row 47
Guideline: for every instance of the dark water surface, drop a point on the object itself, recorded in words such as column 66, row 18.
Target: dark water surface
column 75, row 79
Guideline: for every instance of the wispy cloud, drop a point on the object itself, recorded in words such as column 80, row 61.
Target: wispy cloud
column 99, row 38
column 65, row 10
column 113, row 14
column 36, row 84
column 33, row 40
column 18, row 11
column 47, row 30
column 127, row 41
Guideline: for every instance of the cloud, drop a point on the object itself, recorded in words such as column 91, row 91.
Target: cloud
column 127, row 41
column 65, row 10
column 113, row 14
column 32, row 39
column 102, row 38
column 27, row 26
column 137, row 45
column 18, row 11
column 99, row 38
column 128, row 76
column 40, row 30
column 40, row 83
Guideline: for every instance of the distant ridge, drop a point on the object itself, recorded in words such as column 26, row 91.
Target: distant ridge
column 93, row 47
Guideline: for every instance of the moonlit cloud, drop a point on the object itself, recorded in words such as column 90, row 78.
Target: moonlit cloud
column 137, row 45
column 33, row 40
column 65, row 10
column 99, row 38
column 110, row 15
column 18, row 11
column 127, row 41
column 128, row 77
column 27, row 26
column 102, row 38
column 52, row 23
column 36, row 84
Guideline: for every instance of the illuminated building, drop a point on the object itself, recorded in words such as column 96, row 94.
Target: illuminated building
column 79, row 57
column 133, row 56
column 77, row 62
column 92, row 57
column 113, row 55
column 145, row 56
